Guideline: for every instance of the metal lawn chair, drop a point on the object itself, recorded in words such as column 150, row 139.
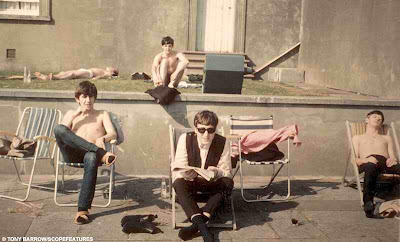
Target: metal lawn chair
column 35, row 124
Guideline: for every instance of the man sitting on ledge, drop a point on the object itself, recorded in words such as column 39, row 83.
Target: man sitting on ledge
column 207, row 150
column 92, row 73
column 374, row 155
column 81, row 137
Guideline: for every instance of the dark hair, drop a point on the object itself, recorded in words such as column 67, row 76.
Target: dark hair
column 206, row 118
column 167, row 40
column 378, row 113
column 86, row 88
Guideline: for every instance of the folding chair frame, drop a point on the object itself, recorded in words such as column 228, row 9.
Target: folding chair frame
column 107, row 191
column 273, row 163
column 38, row 127
column 360, row 128
column 173, row 142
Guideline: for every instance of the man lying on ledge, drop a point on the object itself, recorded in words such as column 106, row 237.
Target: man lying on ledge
column 92, row 73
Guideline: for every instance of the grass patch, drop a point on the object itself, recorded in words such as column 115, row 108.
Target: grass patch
column 124, row 84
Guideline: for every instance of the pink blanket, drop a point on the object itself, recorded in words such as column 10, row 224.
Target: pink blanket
column 258, row 140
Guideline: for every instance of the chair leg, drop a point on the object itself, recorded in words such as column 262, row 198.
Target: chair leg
column 234, row 225
column 173, row 202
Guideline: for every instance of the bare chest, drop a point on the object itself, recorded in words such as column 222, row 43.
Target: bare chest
column 89, row 128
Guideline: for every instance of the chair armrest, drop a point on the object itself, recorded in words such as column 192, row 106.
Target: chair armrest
column 44, row 137
column 113, row 141
column 2, row 132
column 232, row 136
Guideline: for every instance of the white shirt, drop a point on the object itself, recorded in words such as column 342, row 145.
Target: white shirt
column 181, row 158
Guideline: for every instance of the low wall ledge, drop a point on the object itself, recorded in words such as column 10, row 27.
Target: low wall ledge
column 212, row 98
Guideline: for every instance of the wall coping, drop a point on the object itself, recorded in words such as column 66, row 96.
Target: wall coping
column 350, row 100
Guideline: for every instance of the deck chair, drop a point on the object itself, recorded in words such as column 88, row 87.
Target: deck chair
column 355, row 128
column 174, row 134
column 35, row 124
column 244, row 126
column 108, row 189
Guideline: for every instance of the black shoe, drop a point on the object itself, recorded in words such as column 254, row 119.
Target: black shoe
column 369, row 208
column 187, row 233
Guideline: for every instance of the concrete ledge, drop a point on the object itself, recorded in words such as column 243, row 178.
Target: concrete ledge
column 350, row 100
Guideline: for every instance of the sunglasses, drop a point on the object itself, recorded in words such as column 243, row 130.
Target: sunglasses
column 203, row 130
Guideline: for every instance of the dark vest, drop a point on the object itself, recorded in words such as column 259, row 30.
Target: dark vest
column 214, row 153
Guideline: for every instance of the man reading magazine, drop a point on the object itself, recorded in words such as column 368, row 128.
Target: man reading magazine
column 208, row 155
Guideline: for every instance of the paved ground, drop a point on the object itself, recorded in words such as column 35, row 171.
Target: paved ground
column 326, row 212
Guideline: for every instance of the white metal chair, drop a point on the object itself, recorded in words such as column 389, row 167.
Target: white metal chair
column 174, row 134
column 106, row 190
column 244, row 126
column 35, row 124
column 359, row 128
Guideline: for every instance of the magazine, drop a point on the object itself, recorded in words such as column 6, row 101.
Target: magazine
column 206, row 174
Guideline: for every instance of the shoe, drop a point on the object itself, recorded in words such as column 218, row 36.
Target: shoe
column 369, row 209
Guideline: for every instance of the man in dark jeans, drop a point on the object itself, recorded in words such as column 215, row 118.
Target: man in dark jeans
column 81, row 137
column 207, row 150
column 374, row 155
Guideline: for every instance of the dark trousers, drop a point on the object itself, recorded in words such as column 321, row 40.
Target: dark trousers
column 186, row 191
column 372, row 172
column 75, row 149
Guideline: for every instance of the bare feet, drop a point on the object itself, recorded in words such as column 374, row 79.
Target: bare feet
column 41, row 76
column 108, row 159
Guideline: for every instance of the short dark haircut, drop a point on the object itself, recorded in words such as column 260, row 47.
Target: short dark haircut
column 86, row 88
column 378, row 113
column 206, row 118
column 167, row 40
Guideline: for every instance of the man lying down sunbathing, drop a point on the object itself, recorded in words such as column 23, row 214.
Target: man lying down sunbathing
column 92, row 73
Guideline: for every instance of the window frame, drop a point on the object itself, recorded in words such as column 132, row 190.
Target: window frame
column 44, row 12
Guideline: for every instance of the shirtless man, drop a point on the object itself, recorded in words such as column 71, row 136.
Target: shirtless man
column 92, row 73
column 81, row 137
column 168, row 66
column 374, row 155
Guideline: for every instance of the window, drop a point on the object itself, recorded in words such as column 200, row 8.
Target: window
column 25, row 9
column 10, row 53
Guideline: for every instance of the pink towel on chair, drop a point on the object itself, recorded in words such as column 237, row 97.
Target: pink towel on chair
column 258, row 140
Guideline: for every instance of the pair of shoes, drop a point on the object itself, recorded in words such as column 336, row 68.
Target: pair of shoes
column 140, row 224
column 108, row 159
column 82, row 217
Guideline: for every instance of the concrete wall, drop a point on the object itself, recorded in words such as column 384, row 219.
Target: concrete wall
column 352, row 45
column 145, row 124
column 125, row 34
column 272, row 27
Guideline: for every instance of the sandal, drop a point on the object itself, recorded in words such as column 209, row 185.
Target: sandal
column 108, row 159
column 82, row 217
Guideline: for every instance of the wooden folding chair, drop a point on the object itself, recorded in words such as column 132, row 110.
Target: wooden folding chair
column 174, row 134
column 108, row 189
column 35, row 124
column 359, row 128
column 244, row 126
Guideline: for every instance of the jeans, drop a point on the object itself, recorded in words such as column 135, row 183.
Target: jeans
column 372, row 172
column 75, row 149
column 186, row 191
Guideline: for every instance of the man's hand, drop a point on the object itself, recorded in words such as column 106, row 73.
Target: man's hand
column 189, row 175
column 77, row 112
column 391, row 162
column 100, row 143
column 213, row 169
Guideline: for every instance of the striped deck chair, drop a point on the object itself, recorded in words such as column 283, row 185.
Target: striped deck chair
column 244, row 126
column 174, row 134
column 359, row 128
column 35, row 124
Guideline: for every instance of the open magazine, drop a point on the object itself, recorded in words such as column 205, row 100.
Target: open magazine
column 206, row 174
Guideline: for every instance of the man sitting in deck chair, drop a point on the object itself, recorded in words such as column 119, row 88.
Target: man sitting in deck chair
column 374, row 154
column 207, row 150
column 81, row 137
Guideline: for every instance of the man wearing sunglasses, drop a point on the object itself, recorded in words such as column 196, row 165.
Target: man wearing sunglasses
column 205, row 149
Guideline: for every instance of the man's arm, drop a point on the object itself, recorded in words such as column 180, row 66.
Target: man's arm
column 392, row 157
column 356, row 142
column 156, row 63
column 70, row 116
column 224, row 167
column 181, row 159
column 183, row 62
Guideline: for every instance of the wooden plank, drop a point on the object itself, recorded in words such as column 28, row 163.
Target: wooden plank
column 276, row 58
